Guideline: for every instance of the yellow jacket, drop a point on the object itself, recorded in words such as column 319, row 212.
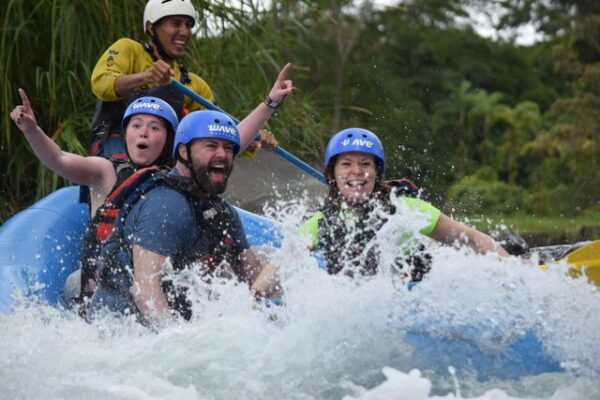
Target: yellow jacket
column 127, row 56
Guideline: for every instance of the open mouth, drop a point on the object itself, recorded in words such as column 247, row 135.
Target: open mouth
column 142, row 146
column 179, row 44
column 218, row 170
column 356, row 184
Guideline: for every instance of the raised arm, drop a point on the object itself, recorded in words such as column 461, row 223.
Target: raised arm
column 448, row 231
column 87, row 171
column 250, row 125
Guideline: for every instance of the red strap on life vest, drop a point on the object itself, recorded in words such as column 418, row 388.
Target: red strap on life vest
column 109, row 210
column 104, row 230
column 127, row 182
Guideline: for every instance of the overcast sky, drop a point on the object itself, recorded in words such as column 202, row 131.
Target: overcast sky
column 482, row 23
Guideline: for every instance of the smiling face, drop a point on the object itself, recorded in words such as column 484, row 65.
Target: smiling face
column 212, row 161
column 174, row 32
column 145, row 137
column 355, row 175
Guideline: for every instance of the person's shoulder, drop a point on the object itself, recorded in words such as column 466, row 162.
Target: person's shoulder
column 163, row 208
column 126, row 42
column 163, row 221
column 125, row 45
column 420, row 205
column 105, row 172
column 165, row 191
column 164, row 199
column 415, row 202
column 424, row 207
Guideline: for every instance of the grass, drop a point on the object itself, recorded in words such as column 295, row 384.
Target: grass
column 541, row 231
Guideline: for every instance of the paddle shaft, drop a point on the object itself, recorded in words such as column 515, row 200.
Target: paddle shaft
column 278, row 149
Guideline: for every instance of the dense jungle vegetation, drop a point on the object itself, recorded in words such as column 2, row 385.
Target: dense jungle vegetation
column 485, row 126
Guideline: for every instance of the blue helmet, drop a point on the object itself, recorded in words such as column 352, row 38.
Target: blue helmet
column 207, row 124
column 358, row 140
column 153, row 106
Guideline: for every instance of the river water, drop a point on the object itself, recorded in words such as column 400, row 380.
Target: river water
column 452, row 336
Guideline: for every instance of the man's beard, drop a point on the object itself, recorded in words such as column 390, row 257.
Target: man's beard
column 204, row 183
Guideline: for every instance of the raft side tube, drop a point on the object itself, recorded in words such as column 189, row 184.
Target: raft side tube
column 260, row 231
column 40, row 247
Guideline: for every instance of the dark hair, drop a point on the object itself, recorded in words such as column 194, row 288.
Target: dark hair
column 165, row 159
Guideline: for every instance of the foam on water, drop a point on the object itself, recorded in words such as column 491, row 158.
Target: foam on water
column 335, row 337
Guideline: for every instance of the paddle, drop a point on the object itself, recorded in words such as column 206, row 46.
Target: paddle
column 587, row 257
column 278, row 150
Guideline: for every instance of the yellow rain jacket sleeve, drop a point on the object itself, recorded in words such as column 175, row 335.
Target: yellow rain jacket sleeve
column 127, row 56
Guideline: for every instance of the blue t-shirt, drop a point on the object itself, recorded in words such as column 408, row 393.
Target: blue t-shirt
column 163, row 222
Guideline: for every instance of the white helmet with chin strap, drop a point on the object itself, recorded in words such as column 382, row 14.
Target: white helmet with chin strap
column 157, row 9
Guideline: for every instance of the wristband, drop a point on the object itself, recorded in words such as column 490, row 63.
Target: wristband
column 272, row 104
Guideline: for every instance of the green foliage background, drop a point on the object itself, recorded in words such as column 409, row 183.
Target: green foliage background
column 483, row 126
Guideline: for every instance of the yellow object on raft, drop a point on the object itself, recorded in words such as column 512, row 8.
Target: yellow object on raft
column 586, row 258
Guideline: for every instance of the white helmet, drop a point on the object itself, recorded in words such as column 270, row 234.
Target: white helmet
column 157, row 9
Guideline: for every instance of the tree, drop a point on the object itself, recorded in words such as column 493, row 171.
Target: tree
column 522, row 121
column 481, row 116
column 551, row 17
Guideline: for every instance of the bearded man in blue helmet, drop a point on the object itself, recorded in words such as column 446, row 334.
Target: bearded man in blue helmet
column 177, row 217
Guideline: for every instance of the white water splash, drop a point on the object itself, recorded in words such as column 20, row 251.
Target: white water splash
column 335, row 337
